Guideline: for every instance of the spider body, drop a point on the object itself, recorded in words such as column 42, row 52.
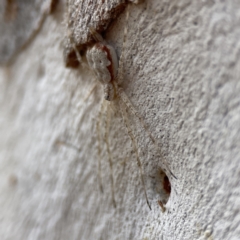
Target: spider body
column 102, row 59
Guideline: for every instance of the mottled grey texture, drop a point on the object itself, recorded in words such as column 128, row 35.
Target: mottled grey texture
column 84, row 17
column 19, row 21
column 183, row 50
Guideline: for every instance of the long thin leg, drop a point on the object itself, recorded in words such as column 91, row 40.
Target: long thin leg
column 65, row 143
column 106, row 138
column 119, row 90
column 125, row 119
column 125, row 33
column 122, row 57
column 130, row 106
column 121, row 94
column 90, row 92
column 99, row 147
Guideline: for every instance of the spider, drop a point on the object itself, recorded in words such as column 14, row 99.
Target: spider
column 103, row 61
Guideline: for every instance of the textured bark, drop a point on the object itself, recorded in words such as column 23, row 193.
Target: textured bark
column 20, row 21
column 81, row 19
column 181, row 72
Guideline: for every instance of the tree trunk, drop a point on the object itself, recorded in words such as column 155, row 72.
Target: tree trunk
column 181, row 69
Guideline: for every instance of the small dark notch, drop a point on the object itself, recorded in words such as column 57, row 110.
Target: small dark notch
column 163, row 188
column 166, row 185
column 53, row 6
column 71, row 60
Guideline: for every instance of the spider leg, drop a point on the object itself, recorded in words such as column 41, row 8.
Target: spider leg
column 90, row 92
column 106, row 139
column 130, row 106
column 130, row 134
column 122, row 57
column 99, row 147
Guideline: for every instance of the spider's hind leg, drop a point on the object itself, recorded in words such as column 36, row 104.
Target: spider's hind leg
column 131, row 135
column 122, row 95
column 110, row 158
column 99, row 146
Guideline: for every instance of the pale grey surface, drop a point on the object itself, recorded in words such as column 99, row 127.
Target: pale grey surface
column 19, row 22
column 183, row 50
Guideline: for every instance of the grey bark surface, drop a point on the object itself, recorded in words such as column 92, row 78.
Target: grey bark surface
column 20, row 21
column 81, row 19
column 181, row 72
